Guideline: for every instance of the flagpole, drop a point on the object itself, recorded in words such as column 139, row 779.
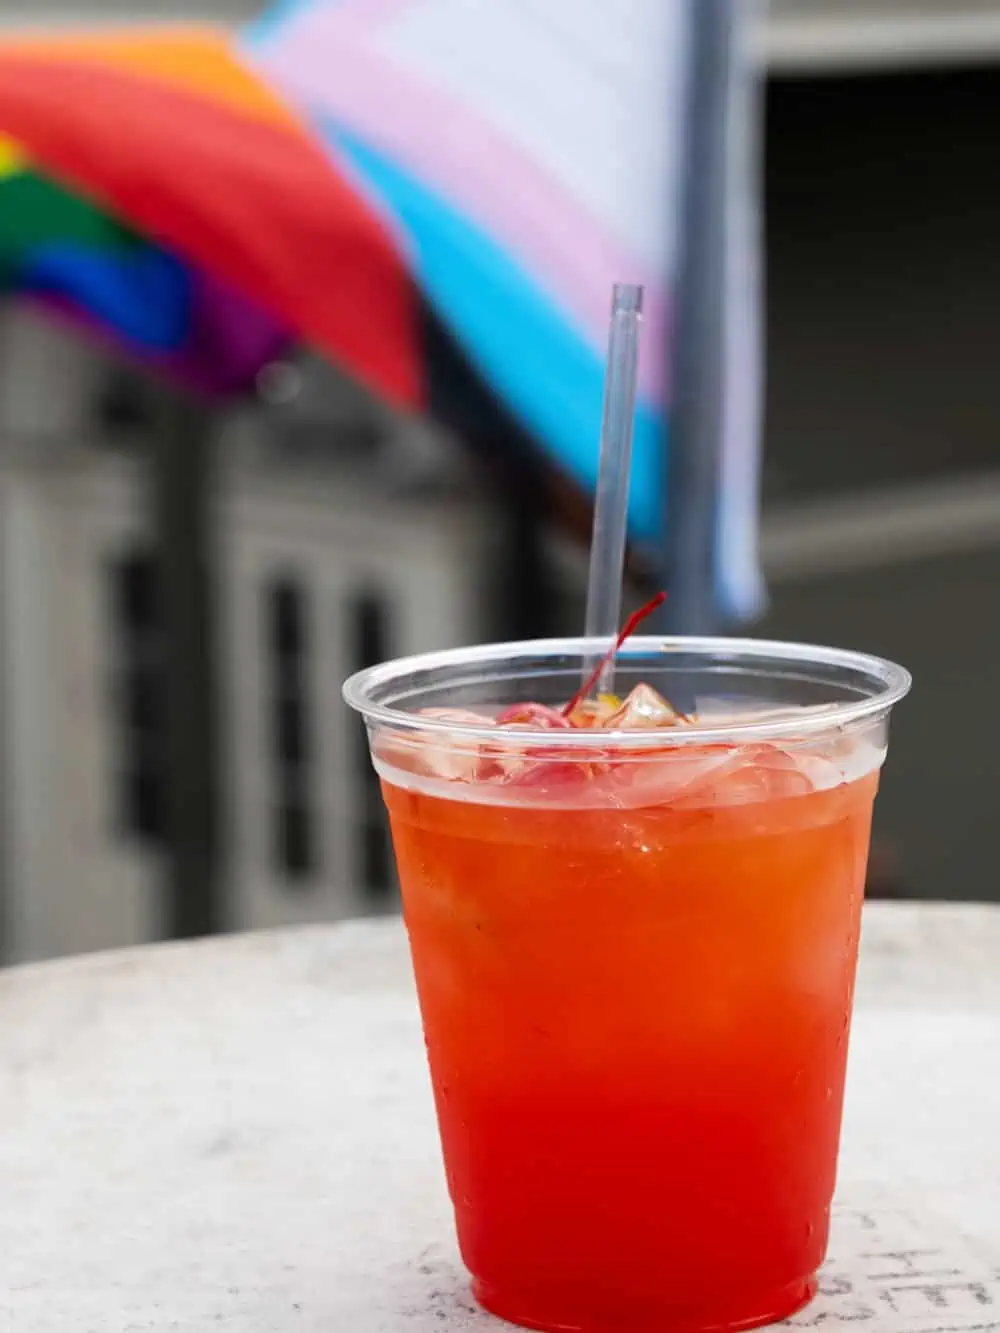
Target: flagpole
column 182, row 492
column 698, row 346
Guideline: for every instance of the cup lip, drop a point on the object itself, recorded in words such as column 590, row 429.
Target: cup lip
column 889, row 682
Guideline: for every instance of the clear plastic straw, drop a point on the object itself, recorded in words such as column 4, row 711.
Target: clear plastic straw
column 607, row 548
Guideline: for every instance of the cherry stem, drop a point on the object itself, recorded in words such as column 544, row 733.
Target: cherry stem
column 631, row 625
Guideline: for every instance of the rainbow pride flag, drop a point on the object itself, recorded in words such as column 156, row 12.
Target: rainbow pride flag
column 154, row 189
column 66, row 253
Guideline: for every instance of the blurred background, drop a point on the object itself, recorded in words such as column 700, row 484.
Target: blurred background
column 186, row 580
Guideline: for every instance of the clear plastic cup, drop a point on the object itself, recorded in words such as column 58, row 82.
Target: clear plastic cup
column 635, row 956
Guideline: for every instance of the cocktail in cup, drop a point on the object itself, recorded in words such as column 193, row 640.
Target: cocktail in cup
column 634, row 932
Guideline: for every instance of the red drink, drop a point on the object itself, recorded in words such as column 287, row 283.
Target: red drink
column 635, row 974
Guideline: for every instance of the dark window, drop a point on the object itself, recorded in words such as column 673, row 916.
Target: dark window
column 137, row 695
column 124, row 409
column 294, row 837
column 290, row 729
column 369, row 620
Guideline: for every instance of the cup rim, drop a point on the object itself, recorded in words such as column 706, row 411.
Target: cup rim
column 889, row 684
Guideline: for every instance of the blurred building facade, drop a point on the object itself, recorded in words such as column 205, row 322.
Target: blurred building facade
column 332, row 553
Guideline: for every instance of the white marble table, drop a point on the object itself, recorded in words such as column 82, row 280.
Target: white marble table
column 238, row 1135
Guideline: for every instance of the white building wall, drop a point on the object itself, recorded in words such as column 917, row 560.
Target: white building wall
column 67, row 883
column 73, row 878
column 425, row 561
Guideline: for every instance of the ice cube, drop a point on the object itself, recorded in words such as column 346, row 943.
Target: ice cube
column 643, row 710
column 539, row 716
column 452, row 758
column 590, row 714
column 854, row 756
column 662, row 777
column 706, row 777
column 553, row 771
column 862, row 757
column 754, row 773
column 822, row 770
column 828, row 758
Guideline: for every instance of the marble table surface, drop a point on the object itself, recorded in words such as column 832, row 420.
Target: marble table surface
column 238, row 1134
